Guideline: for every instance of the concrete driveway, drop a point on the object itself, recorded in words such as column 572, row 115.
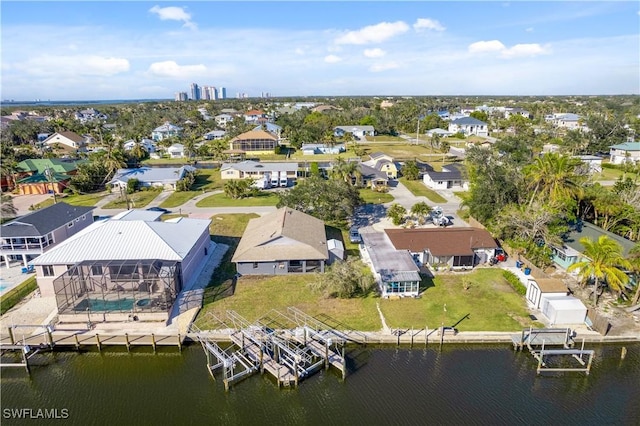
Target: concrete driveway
column 23, row 202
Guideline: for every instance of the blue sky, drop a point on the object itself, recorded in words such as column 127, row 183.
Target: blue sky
column 130, row 50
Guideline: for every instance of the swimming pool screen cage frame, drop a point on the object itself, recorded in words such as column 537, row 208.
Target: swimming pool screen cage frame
column 122, row 286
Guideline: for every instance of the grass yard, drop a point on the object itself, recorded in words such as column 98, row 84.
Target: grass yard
column 86, row 200
column 221, row 200
column 374, row 197
column 418, row 189
column 486, row 288
column 253, row 297
column 137, row 200
column 206, row 180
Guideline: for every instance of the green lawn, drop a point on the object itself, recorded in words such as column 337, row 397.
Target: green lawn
column 374, row 197
column 418, row 189
column 137, row 200
column 86, row 200
column 206, row 180
column 221, row 200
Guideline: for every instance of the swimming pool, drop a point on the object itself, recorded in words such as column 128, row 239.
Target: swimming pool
column 99, row 305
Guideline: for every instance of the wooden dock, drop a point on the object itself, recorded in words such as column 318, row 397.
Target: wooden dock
column 288, row 354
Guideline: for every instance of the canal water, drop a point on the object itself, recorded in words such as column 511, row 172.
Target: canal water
column 459, row 385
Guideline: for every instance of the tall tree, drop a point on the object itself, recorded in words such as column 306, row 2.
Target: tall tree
column 553, row 177
column 602, row 262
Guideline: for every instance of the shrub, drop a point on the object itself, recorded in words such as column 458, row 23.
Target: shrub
column 515, row 282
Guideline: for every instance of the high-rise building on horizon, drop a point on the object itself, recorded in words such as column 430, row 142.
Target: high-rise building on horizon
column 222, row 93
column 181, row 96
column 195, row 92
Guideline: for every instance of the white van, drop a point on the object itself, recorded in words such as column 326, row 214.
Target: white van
column 354, row 235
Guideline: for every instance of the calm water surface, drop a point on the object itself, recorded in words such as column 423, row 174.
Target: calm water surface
column 489, row 385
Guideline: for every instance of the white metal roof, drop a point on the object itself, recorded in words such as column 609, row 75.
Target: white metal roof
column 127, row 239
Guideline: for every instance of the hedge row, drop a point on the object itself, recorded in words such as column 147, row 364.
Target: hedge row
column 16, row 294
column 515, row 282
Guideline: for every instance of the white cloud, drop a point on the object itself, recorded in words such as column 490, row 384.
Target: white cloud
column 533, row 49
column 98, row 65
column 428, row 24
column 518, row 50
column 332, row 59
column 173, row 13
column 383, row 67
column 172, row 69
column 374, row 53
column 299, row 51
column 373, row 33
column 529, row 30
column 486, row 46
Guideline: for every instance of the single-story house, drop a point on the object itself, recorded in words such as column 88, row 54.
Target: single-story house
column 590, row 163
column 258, row 170
column 358, row 132
column 31, row 235
column 508, row 112
column 138, row 268
column 571, row 250
column 451, row 177
column 167, row 130
column 255, row 141
column 283, row 242
column 565, row 120
column 176, row 150
column 215, row 135
column 66, row 140
column 371, row 177
column 383, row 163
column 438, row 131
column 469, row 126
column 445, row 247
column 394, row 270
column 318, row 148
column 165, row 177
column 628, row 152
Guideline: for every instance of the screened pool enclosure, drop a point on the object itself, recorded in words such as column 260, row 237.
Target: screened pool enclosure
column 122, row 286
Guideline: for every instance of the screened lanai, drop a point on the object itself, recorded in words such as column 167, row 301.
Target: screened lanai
column 118, row 286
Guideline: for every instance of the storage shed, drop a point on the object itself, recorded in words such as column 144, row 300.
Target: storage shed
column 539, row 288
column 562, row 310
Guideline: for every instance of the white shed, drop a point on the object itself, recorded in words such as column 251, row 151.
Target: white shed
column 539, row 288
column 562, row 310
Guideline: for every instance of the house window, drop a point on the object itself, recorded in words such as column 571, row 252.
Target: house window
column 96, row 270
column 47, row 270
column 255, row 265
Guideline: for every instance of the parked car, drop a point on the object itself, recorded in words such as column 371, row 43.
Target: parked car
column 158, row 209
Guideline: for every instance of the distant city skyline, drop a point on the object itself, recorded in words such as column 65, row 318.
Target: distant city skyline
column 152, row 50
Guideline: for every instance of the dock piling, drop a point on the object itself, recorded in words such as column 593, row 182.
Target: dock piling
column 13, row 340
column 98, row 342
column 153, row 341
column 75, row 336
column 179, row 343
column 126, row 342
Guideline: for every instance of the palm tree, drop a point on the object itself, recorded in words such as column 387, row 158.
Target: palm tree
column 421, row 209
column 553, row 177
column 346, row 170
column 602, row 261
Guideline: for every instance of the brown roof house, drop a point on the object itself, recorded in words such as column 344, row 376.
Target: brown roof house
column 283, row 242
column 255, row 141
column 456, row 248
column 68, row 141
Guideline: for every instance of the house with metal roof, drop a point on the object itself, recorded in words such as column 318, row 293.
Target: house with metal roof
column 469, row 126
column 124, row 267
column 623, row 153
column 255, row 141
column 45, row 175
column 395, row 271
column 451, row 177
column 270, row 127
column 571, row 250
column 215, row 135
column 29, row 236
column 457, row 248
column 165, row 177
column 286, row 241
column 321, row 148
column 167, row 130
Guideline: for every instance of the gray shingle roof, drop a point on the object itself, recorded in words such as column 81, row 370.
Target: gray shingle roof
column 43, row 221
column 466, row 121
